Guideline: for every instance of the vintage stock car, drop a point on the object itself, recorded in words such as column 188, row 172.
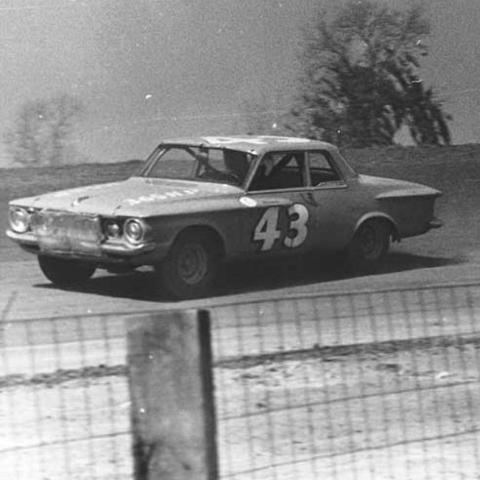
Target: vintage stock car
column 199, row 201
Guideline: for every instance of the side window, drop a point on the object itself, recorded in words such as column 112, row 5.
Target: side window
column 321, row 169
column 280, row 170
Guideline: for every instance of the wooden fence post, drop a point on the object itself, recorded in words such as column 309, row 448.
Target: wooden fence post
column 171, row 390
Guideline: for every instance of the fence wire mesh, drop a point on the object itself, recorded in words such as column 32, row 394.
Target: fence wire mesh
column 366, row 385
column 350, row 386
column 64, row 403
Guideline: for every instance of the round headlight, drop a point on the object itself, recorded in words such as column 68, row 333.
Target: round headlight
column 134, row 230
column 19, row 219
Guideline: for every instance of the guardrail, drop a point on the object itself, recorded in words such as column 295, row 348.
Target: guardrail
column 360, row 385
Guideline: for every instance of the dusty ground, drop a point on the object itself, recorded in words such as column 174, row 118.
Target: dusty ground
column 344, row 411
column 358, row 416
column 76, row 429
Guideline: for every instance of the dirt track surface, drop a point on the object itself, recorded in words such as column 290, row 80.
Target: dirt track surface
column 25, row 293
column 449, row 373
column 354, row 416
column 447, row 255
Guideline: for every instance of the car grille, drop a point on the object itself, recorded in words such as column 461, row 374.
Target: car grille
column 67, row 233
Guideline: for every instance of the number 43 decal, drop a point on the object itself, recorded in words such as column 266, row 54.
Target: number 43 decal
column 267, row 230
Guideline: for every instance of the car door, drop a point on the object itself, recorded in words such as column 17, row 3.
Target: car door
column 280, row 190
column 305, row 204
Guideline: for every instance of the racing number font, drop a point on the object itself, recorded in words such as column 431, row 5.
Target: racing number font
column 267, row 230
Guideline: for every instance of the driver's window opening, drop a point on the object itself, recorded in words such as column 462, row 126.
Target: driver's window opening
column 229, row 166
column 280, row 170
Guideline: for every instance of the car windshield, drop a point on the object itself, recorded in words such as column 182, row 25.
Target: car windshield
column 218, row 165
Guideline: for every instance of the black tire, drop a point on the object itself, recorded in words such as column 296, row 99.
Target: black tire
column 369, row 246
column 191, row 267
column 65, row 272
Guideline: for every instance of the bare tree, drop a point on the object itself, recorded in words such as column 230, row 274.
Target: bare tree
column 361, row 81
column 41, row 131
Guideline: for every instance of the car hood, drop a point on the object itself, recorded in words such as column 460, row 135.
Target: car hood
column 136, row 196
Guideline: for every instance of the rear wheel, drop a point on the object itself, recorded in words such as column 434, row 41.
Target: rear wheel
column 191, row 267
column 369, row 246
column 65, row 272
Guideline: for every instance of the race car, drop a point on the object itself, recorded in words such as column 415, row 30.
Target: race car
column 198, row 202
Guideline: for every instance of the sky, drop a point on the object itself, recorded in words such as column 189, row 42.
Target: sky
column 149, row 69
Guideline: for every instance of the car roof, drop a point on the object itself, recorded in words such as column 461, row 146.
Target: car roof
column 257, row 144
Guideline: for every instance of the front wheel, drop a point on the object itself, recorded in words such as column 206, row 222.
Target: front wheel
column 369, row 246
column 65, row 272
column 191, row 267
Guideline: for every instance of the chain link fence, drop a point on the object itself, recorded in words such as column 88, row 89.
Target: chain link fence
column 363, row 385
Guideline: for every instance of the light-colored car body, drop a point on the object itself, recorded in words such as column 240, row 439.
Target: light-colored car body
column 315, row 201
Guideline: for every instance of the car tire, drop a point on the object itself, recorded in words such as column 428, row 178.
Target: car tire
column 369, row 246
column 65, row 272
column 191, row 267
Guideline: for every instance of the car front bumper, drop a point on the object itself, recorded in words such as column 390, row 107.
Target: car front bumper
column 106, row 252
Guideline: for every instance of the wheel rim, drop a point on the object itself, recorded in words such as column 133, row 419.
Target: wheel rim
column 192, row 264
column 370, row 242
